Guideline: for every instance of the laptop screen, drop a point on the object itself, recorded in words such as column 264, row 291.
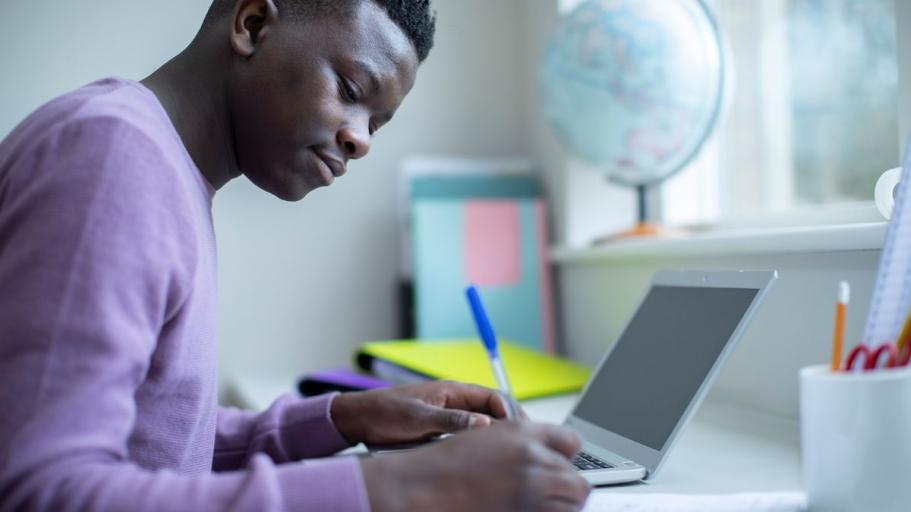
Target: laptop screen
column 661, row 359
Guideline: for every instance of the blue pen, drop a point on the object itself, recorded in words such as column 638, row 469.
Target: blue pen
column 485, row 330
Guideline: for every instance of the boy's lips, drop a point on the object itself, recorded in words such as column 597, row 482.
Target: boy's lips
column 335, row 165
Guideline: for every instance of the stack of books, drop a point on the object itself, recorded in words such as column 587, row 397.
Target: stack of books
column 532, row 373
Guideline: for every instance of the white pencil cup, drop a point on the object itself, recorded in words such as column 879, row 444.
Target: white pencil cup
column 855, row 433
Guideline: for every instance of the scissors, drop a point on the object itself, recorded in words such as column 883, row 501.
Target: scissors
column 866, row 358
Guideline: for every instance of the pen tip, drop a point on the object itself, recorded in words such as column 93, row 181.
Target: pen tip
column 844, row 292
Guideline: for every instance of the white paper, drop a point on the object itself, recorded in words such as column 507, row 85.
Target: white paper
column 750, row 502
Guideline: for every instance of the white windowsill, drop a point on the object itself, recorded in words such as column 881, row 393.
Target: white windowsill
column 808, row 239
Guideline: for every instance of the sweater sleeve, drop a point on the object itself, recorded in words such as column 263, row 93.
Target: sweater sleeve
column 85, row 292
column 292, row 428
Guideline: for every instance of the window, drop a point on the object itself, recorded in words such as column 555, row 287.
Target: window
column 813, row 115
column 811, row 122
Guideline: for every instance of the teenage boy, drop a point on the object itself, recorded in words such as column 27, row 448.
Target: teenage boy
column 107, row 288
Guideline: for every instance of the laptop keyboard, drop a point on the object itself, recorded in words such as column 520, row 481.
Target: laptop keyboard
column 586, row 462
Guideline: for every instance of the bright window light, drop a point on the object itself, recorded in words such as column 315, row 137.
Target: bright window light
column 812, row 119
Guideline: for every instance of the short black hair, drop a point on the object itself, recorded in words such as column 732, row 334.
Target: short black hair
column 412, row 16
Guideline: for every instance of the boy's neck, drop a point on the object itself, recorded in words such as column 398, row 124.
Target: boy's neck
column 192, row 87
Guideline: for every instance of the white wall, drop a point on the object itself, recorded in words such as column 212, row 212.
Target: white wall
column 50, row 46
column 300, row 284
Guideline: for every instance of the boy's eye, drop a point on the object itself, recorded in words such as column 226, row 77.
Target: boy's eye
column 348, row 91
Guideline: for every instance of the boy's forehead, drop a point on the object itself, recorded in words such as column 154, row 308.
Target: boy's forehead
column 370, row 39
column 371, row 30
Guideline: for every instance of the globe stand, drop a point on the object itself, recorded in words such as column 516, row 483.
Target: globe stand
column 643, row 228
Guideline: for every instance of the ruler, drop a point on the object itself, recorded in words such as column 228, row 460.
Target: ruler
column 891, row 301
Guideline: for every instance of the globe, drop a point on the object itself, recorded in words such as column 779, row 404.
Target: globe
column 634, row 87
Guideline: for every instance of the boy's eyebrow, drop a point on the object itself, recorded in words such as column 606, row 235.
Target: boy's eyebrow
column 371, row 74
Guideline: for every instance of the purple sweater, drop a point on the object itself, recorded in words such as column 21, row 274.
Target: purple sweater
column 107, row 330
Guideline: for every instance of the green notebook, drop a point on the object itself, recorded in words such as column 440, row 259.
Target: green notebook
column 532, row 374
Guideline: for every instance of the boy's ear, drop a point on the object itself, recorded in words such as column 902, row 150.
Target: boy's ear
column 252, row 21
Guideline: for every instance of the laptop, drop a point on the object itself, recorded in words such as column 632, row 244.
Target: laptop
column 653, row 379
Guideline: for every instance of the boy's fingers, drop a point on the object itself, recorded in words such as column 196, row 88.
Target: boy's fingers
column 454, row 420
column 563, row 486
column 475, row 398
column 558, row 439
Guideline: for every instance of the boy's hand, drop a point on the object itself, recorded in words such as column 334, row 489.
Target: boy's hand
column 414, row 412
column 509, row 466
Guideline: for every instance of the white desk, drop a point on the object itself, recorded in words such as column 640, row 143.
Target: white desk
column 725, row 449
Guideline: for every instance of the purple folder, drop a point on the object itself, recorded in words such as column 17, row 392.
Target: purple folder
column 339, row 379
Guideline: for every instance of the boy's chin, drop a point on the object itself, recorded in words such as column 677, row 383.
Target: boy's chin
column 287, row 187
